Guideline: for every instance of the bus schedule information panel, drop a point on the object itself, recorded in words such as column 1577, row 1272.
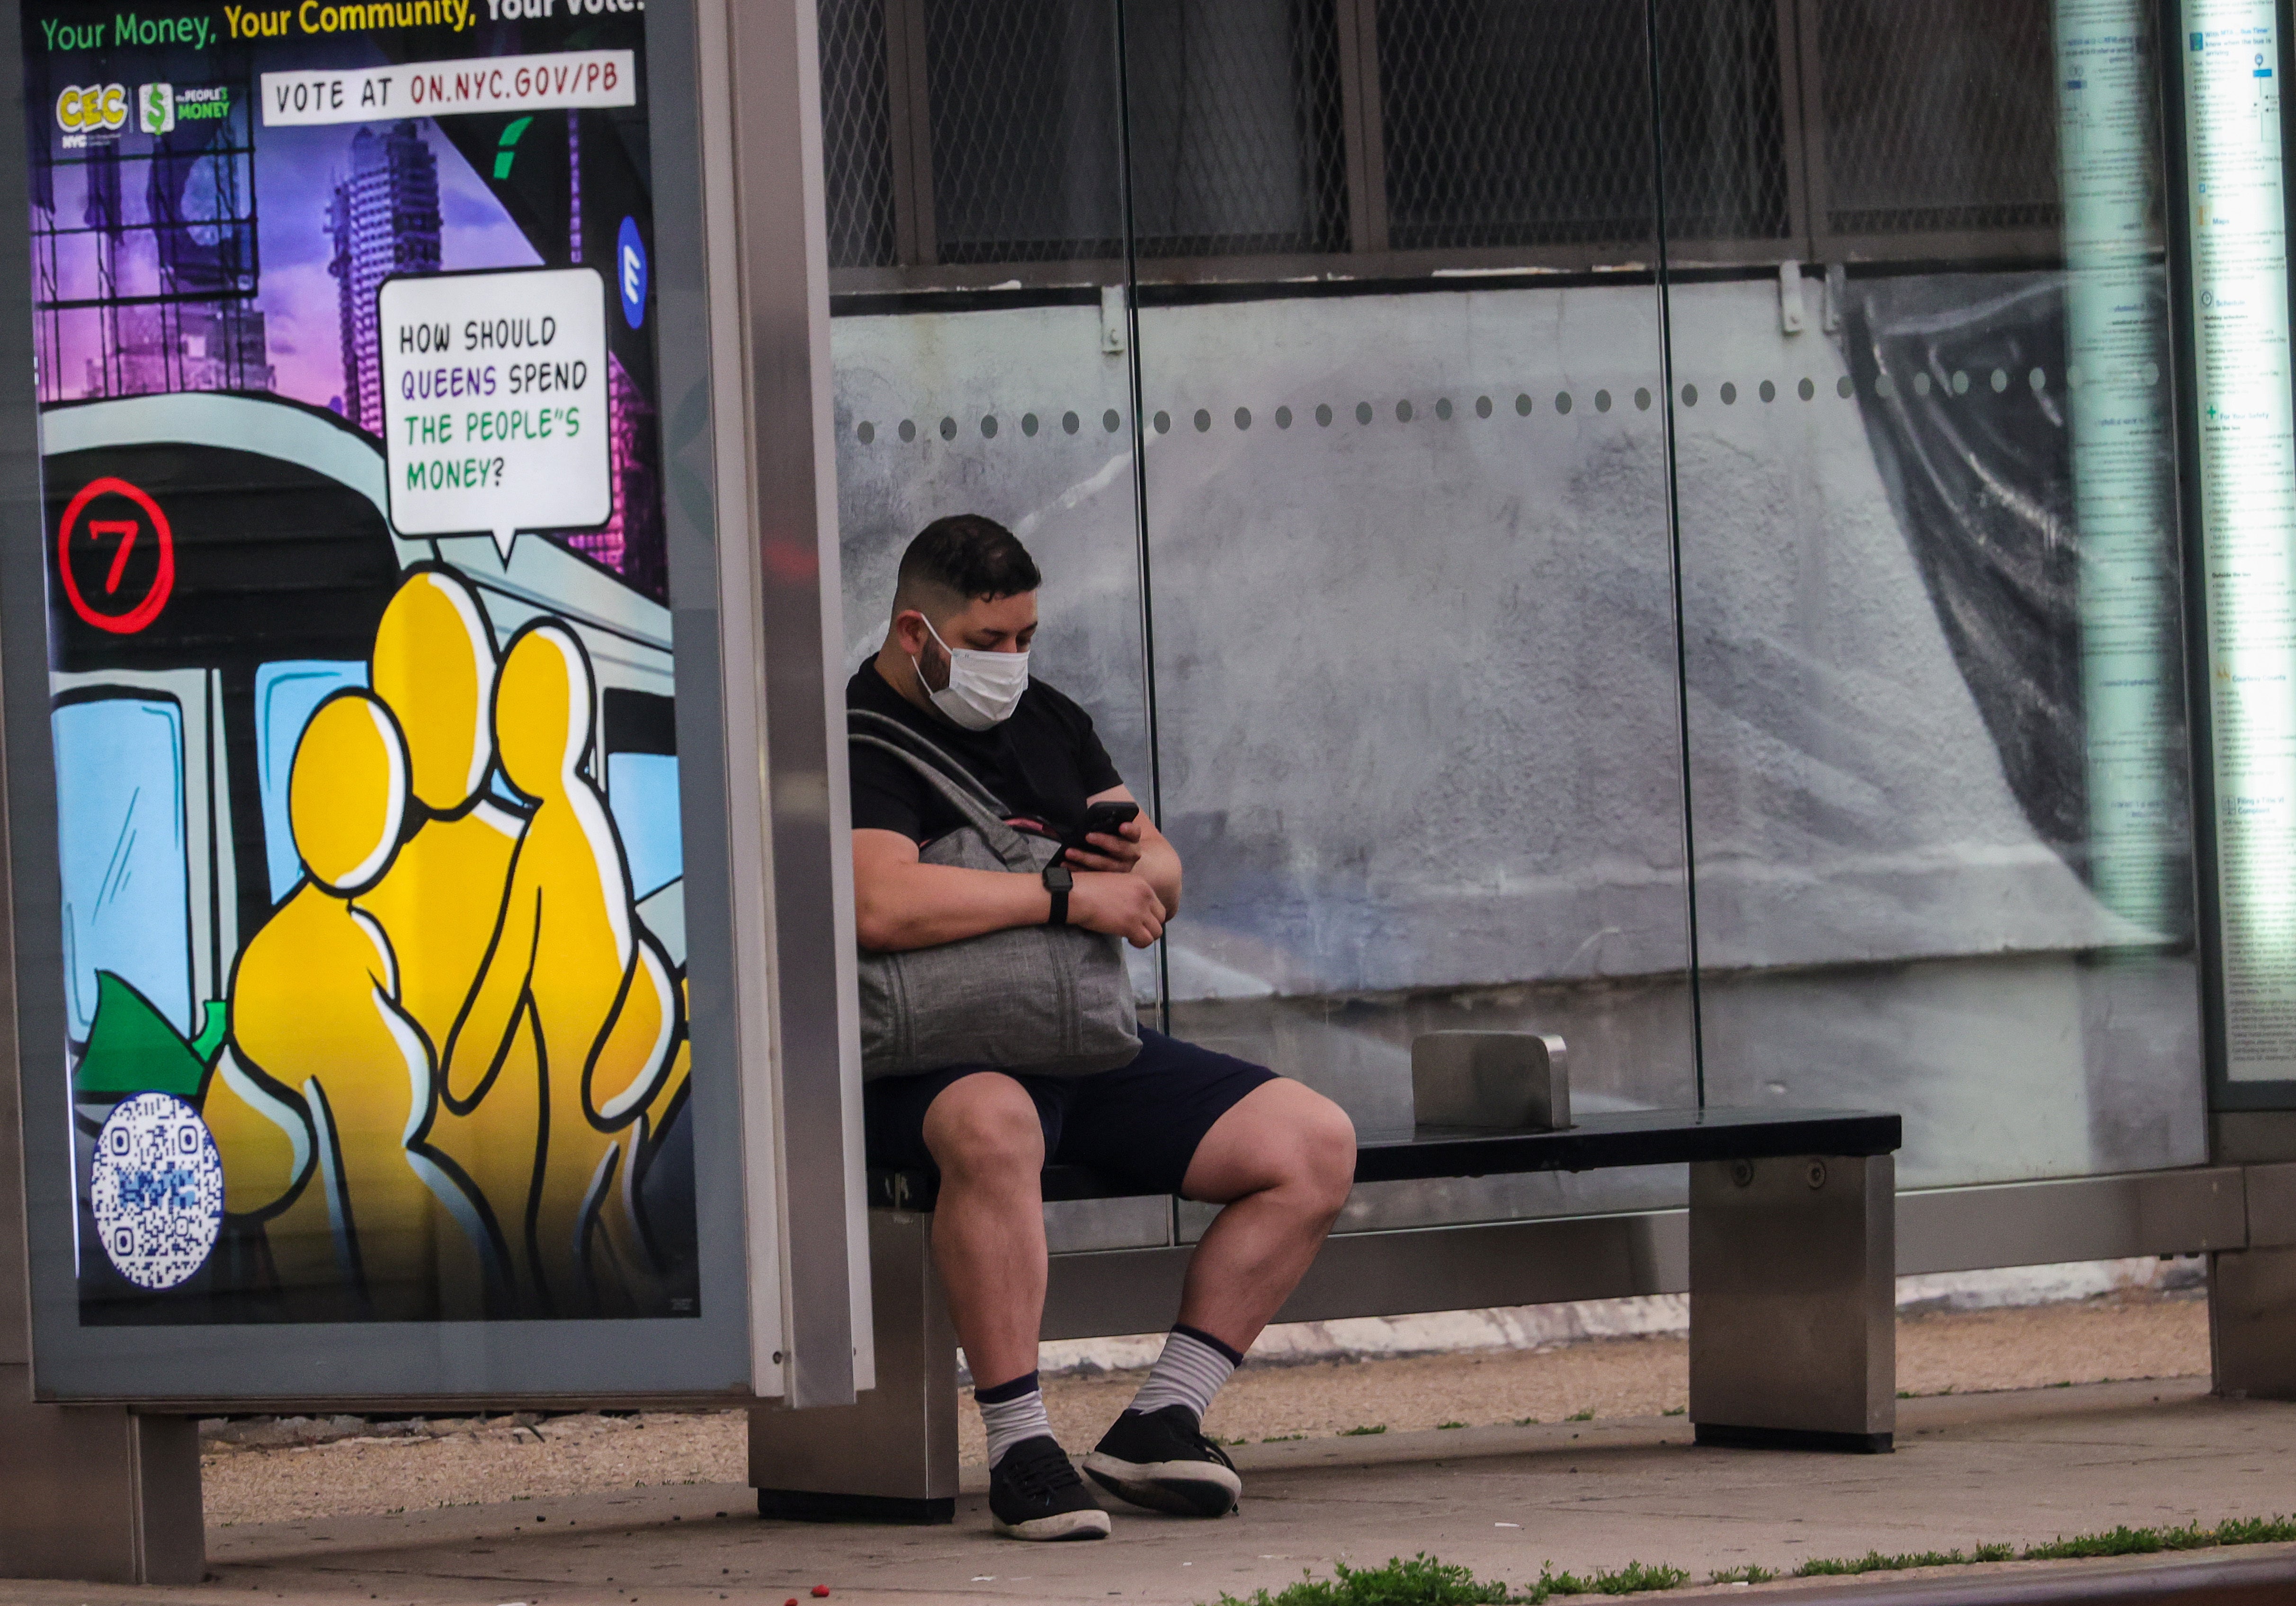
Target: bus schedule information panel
column 2239, row 219
column 361, row 665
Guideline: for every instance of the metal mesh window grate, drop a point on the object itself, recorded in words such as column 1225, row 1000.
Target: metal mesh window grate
column 856, row 134
column 1024, row 129
column 1514, row 123
column 1722, row 92
column 1510, row 125
column 1938, row 115
column 1236, row 141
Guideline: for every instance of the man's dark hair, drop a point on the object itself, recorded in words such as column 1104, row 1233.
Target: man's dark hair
column 962, row 559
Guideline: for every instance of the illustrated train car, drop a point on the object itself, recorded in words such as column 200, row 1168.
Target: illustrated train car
column 219, row 568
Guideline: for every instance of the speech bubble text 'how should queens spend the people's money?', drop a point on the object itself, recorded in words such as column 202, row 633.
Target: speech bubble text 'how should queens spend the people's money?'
column 495, row 403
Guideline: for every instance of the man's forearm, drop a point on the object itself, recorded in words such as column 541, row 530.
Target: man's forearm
column 903, row 906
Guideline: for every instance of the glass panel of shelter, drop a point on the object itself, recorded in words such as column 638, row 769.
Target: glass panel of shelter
column 1412, row 646
column 1401, row 560
column 980, row 344
column 1929, row 557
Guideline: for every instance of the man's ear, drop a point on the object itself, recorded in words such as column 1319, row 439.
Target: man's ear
column 909, row 632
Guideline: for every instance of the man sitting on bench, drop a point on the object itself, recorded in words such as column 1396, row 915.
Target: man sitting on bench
column 1178, row 1120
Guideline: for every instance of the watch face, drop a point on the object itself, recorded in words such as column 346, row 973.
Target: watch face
column 1058, row 877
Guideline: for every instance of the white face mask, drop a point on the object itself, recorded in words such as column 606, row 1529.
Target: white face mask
column 983, row 688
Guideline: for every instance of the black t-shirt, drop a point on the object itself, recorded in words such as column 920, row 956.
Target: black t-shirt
column 1041, row 764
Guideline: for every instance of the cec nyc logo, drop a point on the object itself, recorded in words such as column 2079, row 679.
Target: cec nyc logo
column 91, row 111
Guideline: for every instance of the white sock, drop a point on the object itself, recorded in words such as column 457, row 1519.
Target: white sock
column 1011, row 1411
column 1189, row 1373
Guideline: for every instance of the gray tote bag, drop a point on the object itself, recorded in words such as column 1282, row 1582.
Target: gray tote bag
column 1049, row 1001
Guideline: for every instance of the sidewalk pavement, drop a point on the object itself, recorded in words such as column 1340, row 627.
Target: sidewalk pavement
column 2017, row 1468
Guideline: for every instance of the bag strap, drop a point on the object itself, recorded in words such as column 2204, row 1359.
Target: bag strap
column 1002, row 840
column 913, row 744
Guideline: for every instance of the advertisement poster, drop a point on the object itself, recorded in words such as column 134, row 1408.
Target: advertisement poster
column 2239, row 215
column 360, row 661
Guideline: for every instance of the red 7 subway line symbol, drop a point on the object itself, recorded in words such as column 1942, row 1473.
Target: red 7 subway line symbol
column 126, row 529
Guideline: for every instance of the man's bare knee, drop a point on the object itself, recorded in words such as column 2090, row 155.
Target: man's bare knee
column 1326, row 1155
column 985, row 1126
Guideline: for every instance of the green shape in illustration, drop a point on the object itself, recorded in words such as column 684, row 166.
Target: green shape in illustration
column 215, row 1023
column 509, row 147
column 131, row 1048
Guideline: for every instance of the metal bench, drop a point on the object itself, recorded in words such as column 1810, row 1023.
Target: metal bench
column 1791, row 1266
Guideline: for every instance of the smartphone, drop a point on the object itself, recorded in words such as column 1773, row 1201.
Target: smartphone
column 1102, row 817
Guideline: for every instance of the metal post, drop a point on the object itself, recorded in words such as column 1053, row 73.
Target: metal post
column 916, row 240
column 2251, row 1315
column 783, row 640
column 1363, row 125
column 892, row 1456
column 2221, row 115
column 1794, row 1339
column 2252, row 1291
column 96, row 1492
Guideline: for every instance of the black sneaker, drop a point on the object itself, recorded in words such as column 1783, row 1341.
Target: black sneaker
column 1034, row 1492
column 1162, row 1460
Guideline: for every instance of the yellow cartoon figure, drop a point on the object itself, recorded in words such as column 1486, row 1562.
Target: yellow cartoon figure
column 567, row 952
column 315, row 1007
column 433, row 666
column 646, row 1055
column 263, row 1132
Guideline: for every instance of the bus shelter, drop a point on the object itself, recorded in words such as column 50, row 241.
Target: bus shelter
column 1754, row 535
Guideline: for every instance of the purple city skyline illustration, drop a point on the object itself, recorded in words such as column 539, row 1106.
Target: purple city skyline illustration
column 157, row 270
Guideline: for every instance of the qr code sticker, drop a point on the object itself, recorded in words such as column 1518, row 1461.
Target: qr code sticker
column 157, row 1190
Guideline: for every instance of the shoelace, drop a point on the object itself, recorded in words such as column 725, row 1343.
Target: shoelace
column 1211, row 1446
column 1042, row 1474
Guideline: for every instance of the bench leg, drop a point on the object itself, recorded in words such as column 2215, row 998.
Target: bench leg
column 891, row 1456
column 2252, row 1322
column 1793, row 1338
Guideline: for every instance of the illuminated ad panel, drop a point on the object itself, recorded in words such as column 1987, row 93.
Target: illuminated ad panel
column 2247, row 473
column 362, row 676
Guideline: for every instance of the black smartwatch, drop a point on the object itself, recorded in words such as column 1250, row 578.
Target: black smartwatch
column 1059, row 880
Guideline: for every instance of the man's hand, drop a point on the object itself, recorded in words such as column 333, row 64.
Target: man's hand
column 1129, row 888
column 1118, row 855
column 1137, row 849
column 1120, row 905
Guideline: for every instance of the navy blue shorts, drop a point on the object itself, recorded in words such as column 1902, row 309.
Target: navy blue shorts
column 1139, row 1125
